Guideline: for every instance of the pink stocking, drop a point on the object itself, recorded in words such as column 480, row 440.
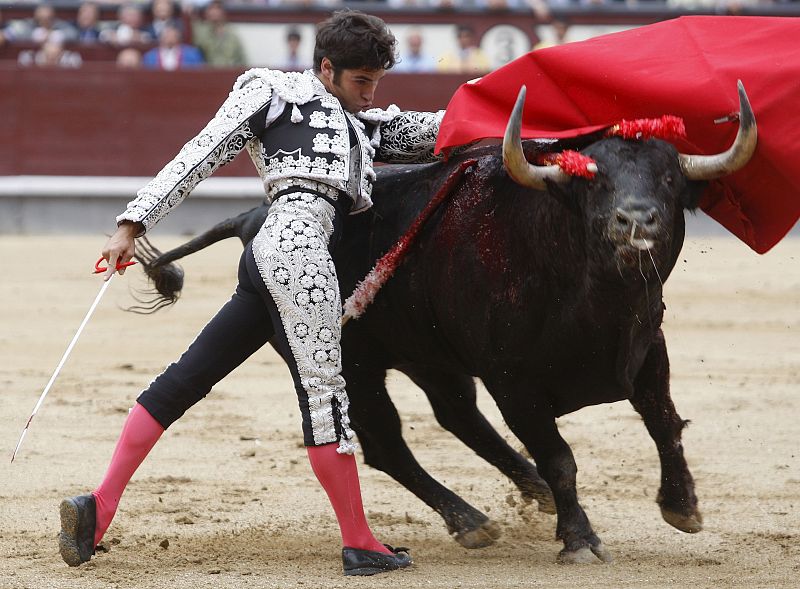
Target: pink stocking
column 139, row 434
column 338, row 475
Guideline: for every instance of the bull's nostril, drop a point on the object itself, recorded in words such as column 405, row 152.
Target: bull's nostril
column 652, row 217
column 622, row 218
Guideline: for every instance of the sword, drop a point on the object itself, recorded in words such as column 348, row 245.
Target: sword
column 97, row 270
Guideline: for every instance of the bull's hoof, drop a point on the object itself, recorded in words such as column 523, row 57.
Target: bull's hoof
column 603, row 554
column 480, row 537
column 580, row 556
column 585, row 555
column 691, row 524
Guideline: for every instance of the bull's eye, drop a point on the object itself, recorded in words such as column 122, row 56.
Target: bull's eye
column 668, row 179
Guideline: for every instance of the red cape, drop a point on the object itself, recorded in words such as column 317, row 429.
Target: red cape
column 686, row 67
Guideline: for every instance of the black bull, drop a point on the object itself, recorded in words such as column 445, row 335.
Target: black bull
column 553, row 298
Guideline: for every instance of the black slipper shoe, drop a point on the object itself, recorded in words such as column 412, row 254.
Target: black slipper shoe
column 369, row 562
column 78, row 522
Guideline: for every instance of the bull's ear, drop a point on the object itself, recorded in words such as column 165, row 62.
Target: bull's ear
column 690, row 198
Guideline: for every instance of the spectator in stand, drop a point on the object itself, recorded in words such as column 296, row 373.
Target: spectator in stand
column 409, row 4
column 3, row 38
column 87, row 23
column 12, row 30
column 45, row 26
column 130, row 28
column 402, row 4
column 51, row 54
column 558, row 35
column 163, row 15
column 171, row 54
column 129, row 59
column 301, row 3
column 293, row 60
column 413, row 59
column 468, row 58
column 219, row 43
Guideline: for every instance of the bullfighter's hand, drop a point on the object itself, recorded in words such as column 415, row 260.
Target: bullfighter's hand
column 120, row 247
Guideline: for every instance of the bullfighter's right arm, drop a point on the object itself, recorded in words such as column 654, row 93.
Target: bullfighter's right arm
column 240, row 118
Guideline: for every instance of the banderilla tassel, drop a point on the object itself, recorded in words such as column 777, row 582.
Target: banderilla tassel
column 665, row 127
column 385, row 267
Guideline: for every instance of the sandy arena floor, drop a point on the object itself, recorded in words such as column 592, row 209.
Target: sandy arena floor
column 227, row 498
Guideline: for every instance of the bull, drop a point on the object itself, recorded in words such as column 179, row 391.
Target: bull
column 547, row 287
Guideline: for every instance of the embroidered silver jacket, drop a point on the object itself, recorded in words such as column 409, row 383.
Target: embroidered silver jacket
column 309, row 139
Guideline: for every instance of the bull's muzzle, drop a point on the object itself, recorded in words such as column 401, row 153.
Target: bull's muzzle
column 634, row 228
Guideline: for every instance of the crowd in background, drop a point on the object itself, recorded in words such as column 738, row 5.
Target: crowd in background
column 162, row 34
column 149, row 35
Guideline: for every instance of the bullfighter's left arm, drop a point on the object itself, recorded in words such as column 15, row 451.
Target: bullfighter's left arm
column 409, row 138
column 403, row 137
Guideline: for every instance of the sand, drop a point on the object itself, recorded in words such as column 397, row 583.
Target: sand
column 227, row 499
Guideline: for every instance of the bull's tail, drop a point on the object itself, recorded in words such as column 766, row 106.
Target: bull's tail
column 165, row 276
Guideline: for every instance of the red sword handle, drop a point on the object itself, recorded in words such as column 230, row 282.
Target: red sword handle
column 99, row 270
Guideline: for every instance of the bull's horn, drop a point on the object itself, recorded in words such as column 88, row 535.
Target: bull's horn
column 519, row 168
column 709, row 167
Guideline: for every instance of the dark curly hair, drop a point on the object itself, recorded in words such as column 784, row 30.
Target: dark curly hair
column 351, row 39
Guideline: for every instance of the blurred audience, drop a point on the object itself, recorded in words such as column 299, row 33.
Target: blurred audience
column 130, row 28
column 163, row 14
column 298, row 3
column 87, row 23
column 219, row 43
column 44, row 26
column 171, row 53
column 413, row 58
column 468, row 57
column 495, row 5
column 293, row 59
column 409, row 4
column 3, row 25
column 129, row 59
column 558, row 30
column 51, row 54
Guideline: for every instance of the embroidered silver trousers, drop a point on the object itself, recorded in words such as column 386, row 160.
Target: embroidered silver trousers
column 292, row 255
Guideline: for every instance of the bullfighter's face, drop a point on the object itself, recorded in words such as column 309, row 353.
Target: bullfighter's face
column 355, row 88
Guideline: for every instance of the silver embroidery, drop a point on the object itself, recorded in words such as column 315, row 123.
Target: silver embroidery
column 193, row 164
column 286, row 183
column 221, row 139
column 400, row 137
column 410, row 137
column 322, row 143
column 297, row 117
column 318, row 120
column 291, row 251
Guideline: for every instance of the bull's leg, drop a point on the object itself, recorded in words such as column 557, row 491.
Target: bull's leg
column 652, row 401
column 453, row 399
column 375, row 420
column 533, row 422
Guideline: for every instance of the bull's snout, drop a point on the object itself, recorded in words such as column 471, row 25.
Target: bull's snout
column 635, row 226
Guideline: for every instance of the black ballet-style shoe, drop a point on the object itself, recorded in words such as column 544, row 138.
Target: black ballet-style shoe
column 369, row 562
column 78, row 523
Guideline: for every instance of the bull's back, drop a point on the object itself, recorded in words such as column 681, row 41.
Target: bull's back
column 465, row 293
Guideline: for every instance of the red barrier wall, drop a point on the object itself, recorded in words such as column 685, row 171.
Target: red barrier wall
column 101, row 121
